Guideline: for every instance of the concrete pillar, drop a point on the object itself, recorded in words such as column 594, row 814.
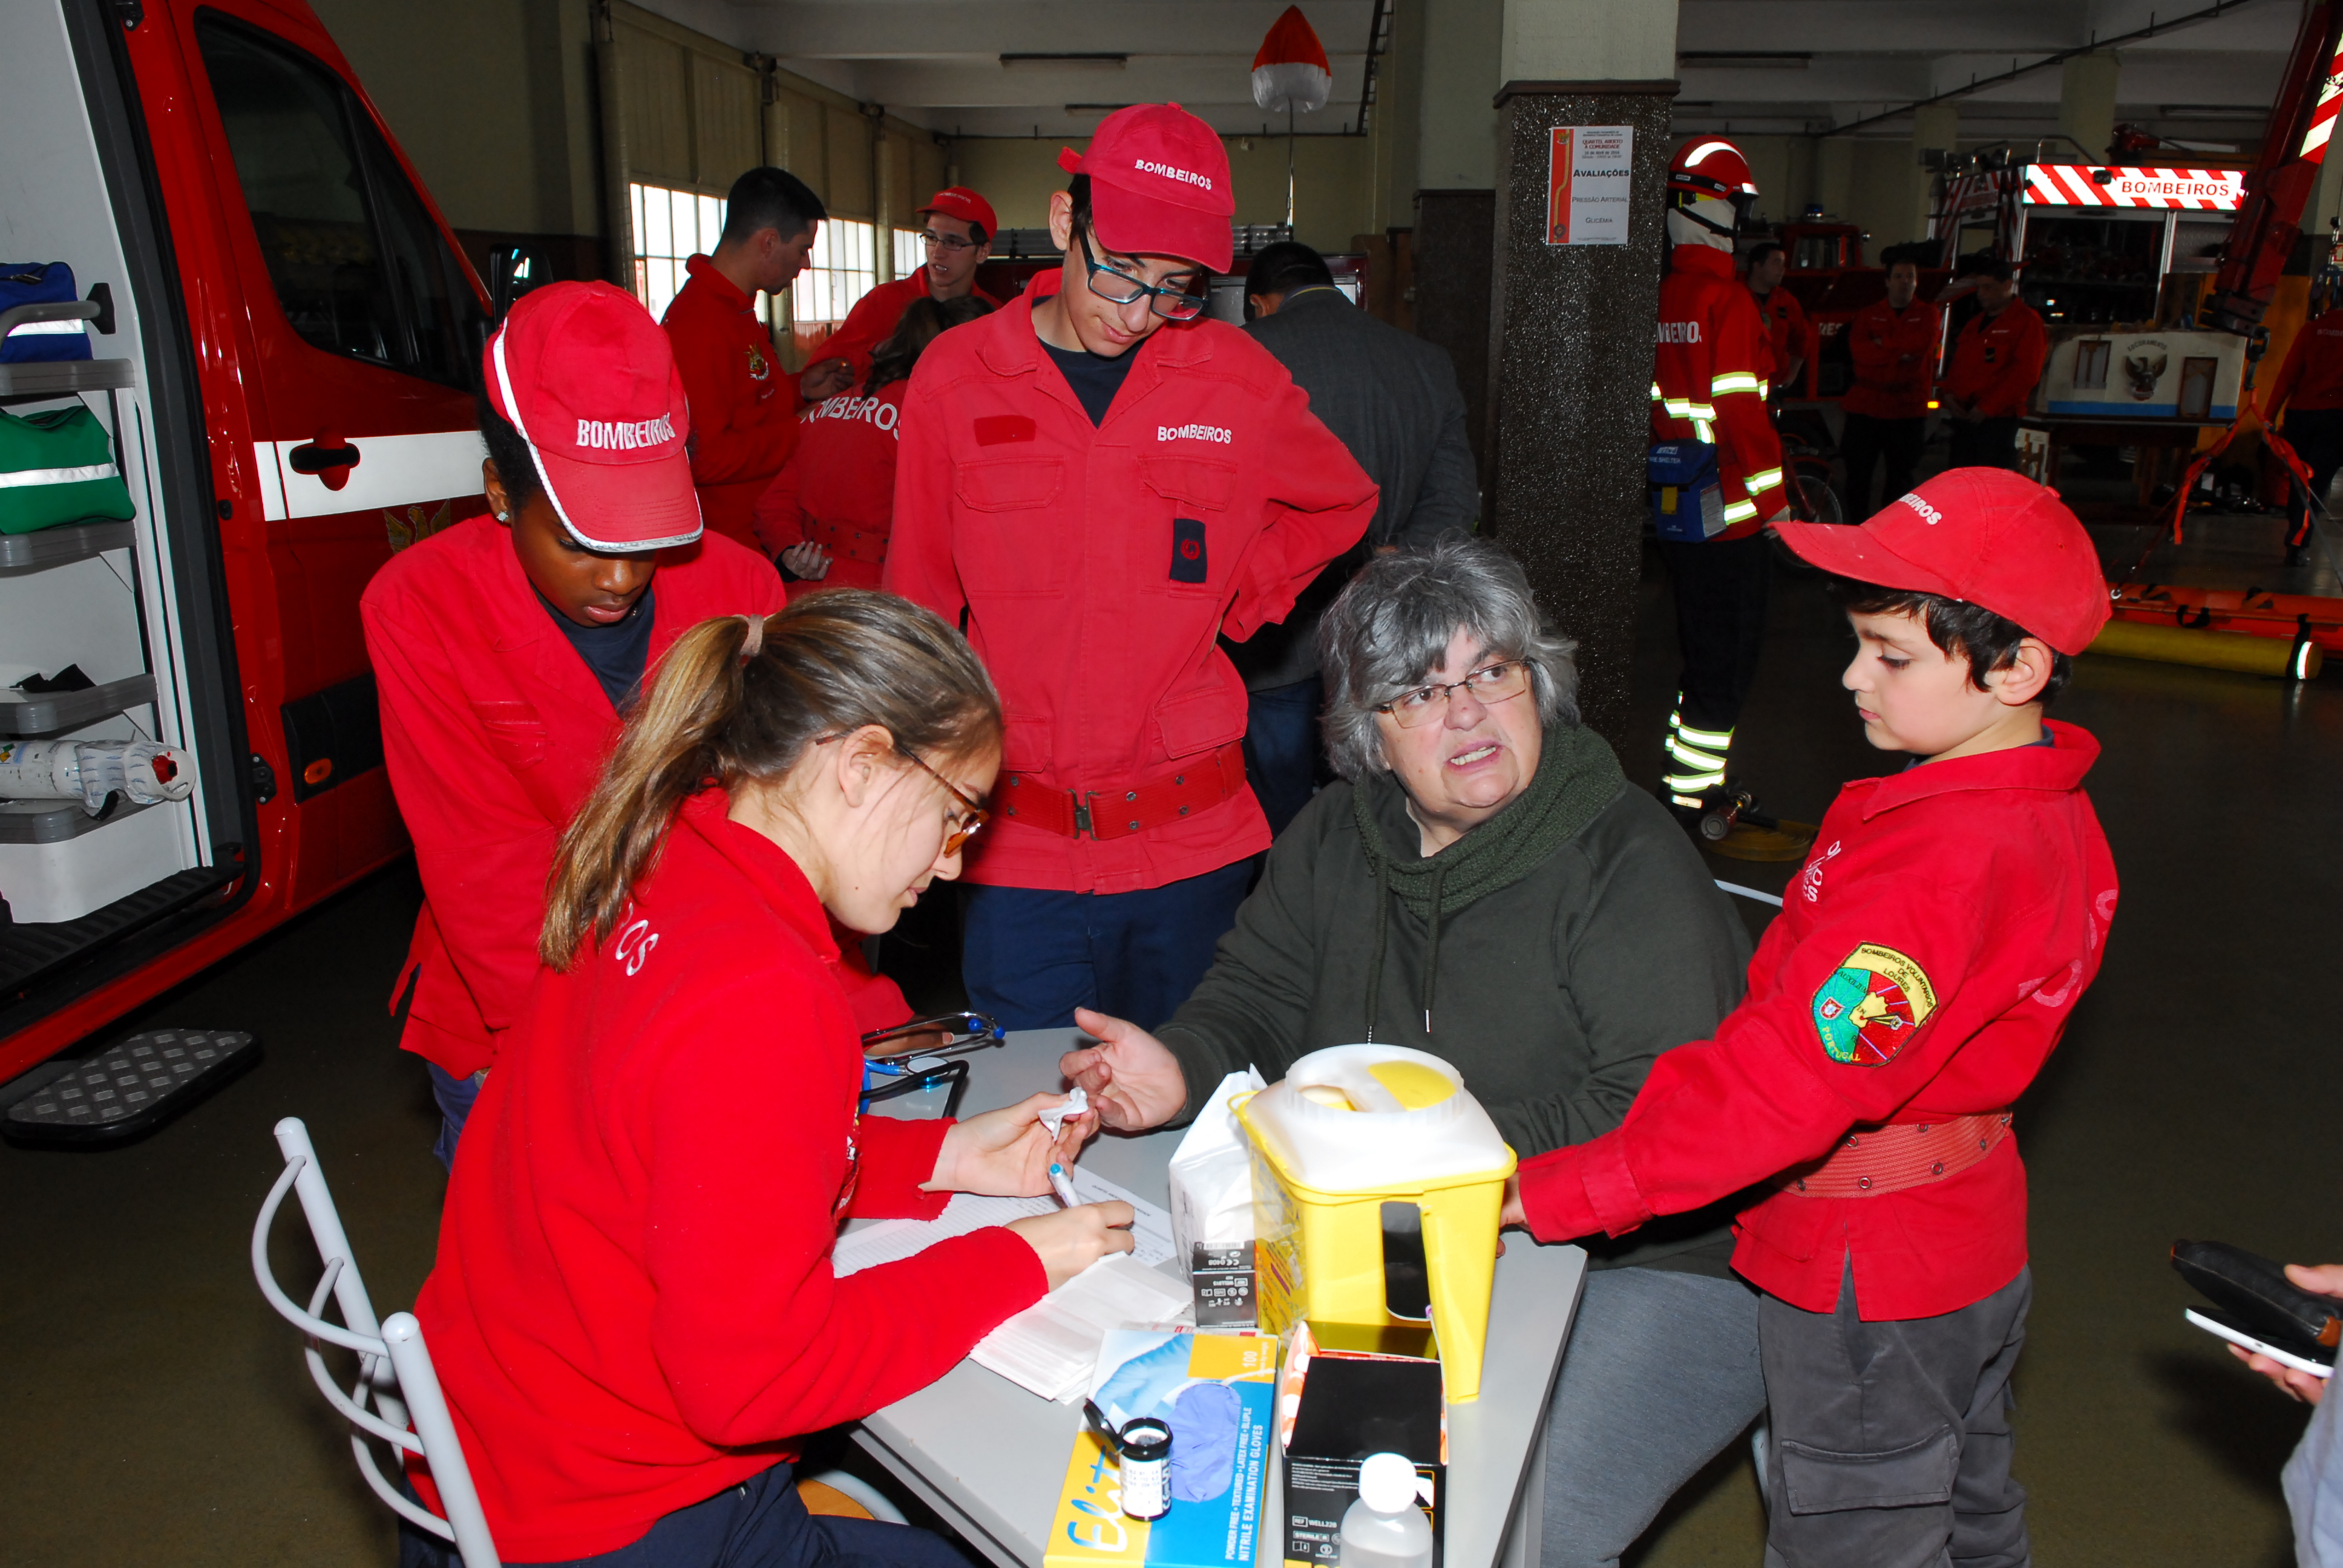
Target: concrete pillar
column 2087, row 102
column 1571, row 338
column 1456, row 197
column 1936, row 126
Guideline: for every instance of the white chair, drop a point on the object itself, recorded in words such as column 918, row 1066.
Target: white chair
column 395, row 1370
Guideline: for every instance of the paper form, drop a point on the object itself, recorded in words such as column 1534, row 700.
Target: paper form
column 891, row 1241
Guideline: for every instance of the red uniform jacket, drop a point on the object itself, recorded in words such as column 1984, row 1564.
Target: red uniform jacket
column 838, row 488
column 2312, row 376
column 1709, row 379
column 1064, row 547
column 1968, row 903
column 1996, row 360
column 873, row 321
column 1895, row 354
column 1788, row 334
column 744, row 406
column 494, row 731
column 633, row 1306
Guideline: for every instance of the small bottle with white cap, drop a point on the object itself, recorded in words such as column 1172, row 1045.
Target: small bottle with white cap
column 1384, row 1528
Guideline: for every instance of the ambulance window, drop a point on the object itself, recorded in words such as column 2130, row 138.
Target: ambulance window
column 357, row 264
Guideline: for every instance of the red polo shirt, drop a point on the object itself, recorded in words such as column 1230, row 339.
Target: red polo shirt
column 1978, row 892
column 744, row 406
column 1094, row 566
column 633, row 1306
column 873, row 320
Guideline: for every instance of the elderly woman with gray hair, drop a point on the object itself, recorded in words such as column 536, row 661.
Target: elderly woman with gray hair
column 1485, row 885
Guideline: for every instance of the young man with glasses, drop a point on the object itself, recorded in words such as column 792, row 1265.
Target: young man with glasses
column 1094, row 498
column 957, row 239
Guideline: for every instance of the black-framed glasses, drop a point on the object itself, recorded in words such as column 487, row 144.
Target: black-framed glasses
column 1170, row 304
column 949, row 244
column 1491, row 683
column 966, row 827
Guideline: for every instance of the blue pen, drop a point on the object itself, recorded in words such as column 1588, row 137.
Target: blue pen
column 1062, row 1184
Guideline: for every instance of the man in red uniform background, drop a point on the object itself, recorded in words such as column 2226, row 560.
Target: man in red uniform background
column 1893, row 343
column 1709, row 385
column 958, row 240
column 1787, row 330
column 744, row 406
column 2308, row 392
column 1997, row 359
column 1094, row 481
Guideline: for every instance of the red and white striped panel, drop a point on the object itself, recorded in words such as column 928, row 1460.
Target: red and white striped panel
column 2072, row 185
column 2322, row 119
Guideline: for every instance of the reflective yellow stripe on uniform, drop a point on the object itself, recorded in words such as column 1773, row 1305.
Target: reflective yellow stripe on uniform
column 1704, row 431
column 1739, row 512
column 1699, row 752
column 1757, row 484
column 1655, row 391
column 1736, row 381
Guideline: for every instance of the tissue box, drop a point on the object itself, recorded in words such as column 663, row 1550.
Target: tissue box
column 1217, row 1392
column 1349, row 1391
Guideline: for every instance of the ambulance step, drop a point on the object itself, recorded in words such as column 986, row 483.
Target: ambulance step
column 31, row 953
column 130, row 1088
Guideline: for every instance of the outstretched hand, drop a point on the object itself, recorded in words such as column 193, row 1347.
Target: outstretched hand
column 1006, row 1153
column 1131, row 1077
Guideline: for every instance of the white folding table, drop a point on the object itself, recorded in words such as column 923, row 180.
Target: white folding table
column 988, row 1457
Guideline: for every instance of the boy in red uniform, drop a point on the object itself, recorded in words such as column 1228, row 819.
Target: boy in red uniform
column 1094, row 481
column 1893, row 343
column 2309, row 392
column 1924, row 966
column 958, row 240
column 1997, row 359
column 744, row 406
column 504, row 646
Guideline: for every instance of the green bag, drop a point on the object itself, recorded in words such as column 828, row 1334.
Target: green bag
column 57, row 467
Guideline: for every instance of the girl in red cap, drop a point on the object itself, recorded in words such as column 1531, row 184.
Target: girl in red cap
column 1098, row 483
column 827, row 517
column 633, row 1311
column 505, row 647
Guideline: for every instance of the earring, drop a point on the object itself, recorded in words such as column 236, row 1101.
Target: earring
column 504, row 516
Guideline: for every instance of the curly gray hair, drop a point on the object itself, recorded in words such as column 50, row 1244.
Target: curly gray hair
column 1390, row 631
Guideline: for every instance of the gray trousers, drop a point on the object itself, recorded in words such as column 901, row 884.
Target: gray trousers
column 1661, row 1374
column 1890, row 1440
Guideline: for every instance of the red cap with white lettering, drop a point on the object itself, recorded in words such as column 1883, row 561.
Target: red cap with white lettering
column 586, row 376
column 959, row 201
column 1159, row 185
column 1983, row 536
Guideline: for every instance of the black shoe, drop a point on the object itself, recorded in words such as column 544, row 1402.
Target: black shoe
column 2297, row 556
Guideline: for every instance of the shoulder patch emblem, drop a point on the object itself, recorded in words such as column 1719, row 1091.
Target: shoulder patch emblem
column 1870, row 1008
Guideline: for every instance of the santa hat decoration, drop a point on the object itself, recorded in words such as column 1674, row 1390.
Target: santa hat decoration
column 1290, row 71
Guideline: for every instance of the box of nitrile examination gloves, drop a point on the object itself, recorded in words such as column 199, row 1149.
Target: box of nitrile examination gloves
column 1217, row 1392
column 1347, row 1391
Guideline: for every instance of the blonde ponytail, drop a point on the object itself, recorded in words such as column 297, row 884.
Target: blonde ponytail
column 737, row 700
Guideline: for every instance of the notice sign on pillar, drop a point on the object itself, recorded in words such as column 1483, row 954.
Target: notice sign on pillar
column 1586, row 185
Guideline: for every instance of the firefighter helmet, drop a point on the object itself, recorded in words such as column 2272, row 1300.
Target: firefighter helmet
column 1712, row 168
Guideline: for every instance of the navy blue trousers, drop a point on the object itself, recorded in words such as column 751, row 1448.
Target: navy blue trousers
column 1031, row 956
column 759, row 1524
column 1282, row 748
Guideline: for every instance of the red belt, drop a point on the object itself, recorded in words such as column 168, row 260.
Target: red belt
column 1119, row 813
column 854, row 544
column 1901, row 1155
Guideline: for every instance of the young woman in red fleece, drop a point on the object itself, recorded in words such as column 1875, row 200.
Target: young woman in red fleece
column 633, row 1309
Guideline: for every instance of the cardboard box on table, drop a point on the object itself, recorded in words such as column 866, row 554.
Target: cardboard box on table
column 1345, row 1391
column 1216, row 1392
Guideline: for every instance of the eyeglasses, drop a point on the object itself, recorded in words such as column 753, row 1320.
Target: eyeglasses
column 1170, row 304
column 949, row 244
column 966, row 828
column 1491, row 683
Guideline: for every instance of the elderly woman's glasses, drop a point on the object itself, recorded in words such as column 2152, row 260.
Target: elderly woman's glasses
column 1490, row 683
column 1119, row 288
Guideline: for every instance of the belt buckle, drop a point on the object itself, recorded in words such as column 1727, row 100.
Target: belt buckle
column 1082, row 814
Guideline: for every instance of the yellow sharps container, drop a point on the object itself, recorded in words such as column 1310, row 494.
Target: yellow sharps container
column 1377, row 1179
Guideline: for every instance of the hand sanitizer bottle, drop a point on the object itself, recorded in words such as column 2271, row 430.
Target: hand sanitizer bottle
column 1384, row 1528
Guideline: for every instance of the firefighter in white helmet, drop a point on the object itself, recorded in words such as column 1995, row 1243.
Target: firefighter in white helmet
column 1715, row 483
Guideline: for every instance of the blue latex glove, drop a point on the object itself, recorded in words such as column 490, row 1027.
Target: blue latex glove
column 1138, row 1384
column 1204, row 1420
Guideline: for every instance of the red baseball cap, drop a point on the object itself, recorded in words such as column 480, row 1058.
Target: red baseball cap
column 1983, row 536
column 1159, row 185
column 587, row 378
column 959, row 201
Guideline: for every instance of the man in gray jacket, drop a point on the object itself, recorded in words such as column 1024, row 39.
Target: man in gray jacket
column 1393, row 399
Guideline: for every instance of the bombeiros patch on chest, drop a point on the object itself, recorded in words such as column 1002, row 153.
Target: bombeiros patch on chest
column 1216, row 435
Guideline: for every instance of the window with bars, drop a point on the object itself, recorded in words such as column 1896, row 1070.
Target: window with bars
column 670, row 226
column 842, row 266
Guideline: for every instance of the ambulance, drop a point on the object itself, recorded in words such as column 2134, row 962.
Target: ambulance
column 281, row 338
